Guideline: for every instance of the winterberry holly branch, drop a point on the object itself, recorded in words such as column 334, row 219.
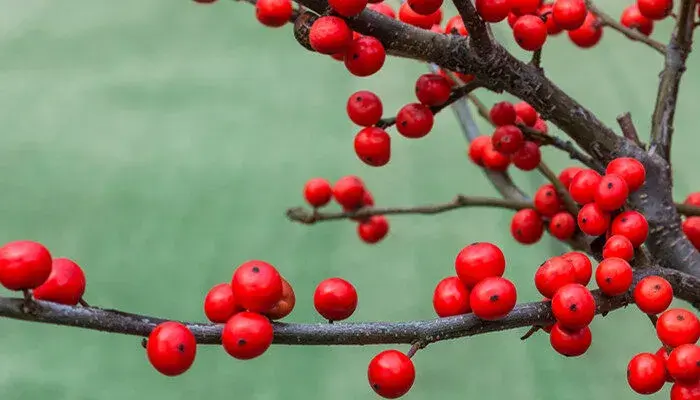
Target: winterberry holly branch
column 636, row 29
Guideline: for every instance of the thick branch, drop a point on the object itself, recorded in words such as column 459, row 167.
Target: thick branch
column 632, row 34
column 479, row 38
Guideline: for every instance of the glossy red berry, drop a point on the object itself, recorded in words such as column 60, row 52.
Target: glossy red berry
column 569, row 14
column 655, row 9
column 573, row 306
column 570, row 343
column 365, row 56
column 391, row 374
column 611, row 193
column 24, row 265
column 526, row 226
column 663, row 354
column 477, row 148
column 330, row 35
column 507, row 139
column 414, row 120
column 618, row 246
column 382, row 8
column 562, row 225
column 614, row 276
column 317, row 192
column 407, row 15
column 373, row 146
column 528, row 157
column 451, row 297
column 347, row 8
column 502, row 113
column 592, row 220
column 432, row 89
column 526, row 113
column 493, row 159
column 348, row 191
column 545, row 12
column 455, row 26
column 567, row 175
column 554, row 274
column 691, row 229
column 685, row 391
column 693, row 199
column 677, row 326
column 583, row 186
column 65, row 284
column 285, row 305
column 530, row 32
column 522, row 7
column 373, row 229
column 646, row 373
column 493, row 298
column 582, row 266
column 247, row 335
column 653, row 294
column 335, row 299
column 364, row 108
column 479, row 261
column 684, row 363
column 257, row 286
column 547, row 201
column 589, row 34
column 425, row 7
column 219, row 304
column 633, row 19
column 273, row 13
column 629, row 169
column 632, row 225
column 171, row 348
column 493, row 10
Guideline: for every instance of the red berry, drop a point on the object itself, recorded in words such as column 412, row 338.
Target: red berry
column 522, row 7
column 382, row 8
column 330, row 35
column 562, row 225
column 632, row 225
column 425, row 7
column 614, row 276
column 365, row 56
column 530, row 32
column 683, row 391
column 286, row 304
column 655, row 9
column 273, row 13
column 582, row 266
column 348, row 8
column 663, row 353
column 584, row 185
column 554, row 274
column 678, row 326
column 573, row 306
column 432, row 89
column 455, row 26
column 567, row 175
column 633, row 19
column 541, row 126
column 374, row 229
column 451, row 297
column 219, row 304
column 335, row 299
column 592, row 220
column 527, row 226
column 611, row 193
column 507, row 139
column 317, row 192
column 502, row 113
column 24, row 265
column 684, row 363
column 479, row 261
column 547, row 201
column 545, row 12
column 364, row 108
column 693, row 199
column 646, row 373
column 257, row 286
column 618, row 246
column 528, row 157
column 589, row 34
column 629, row 169
column 494, row 159
column 570, row 343
column 691, row 228
column 493, row 298
column 493, row 10
column 171, row 348
column 407, row 15
column 348, row 191
column 373, row 146
column 569, row 14
column 247, row 335
column 391, row 374
column 65, row 285
column 414, row 120
column 477, row 148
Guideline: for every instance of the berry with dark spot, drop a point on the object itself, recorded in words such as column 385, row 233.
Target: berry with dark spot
column 247, row 335
column 631, row 224
column 678, row 326
column 554, row 274
column 562, row 225
column 611, row 193
column 653, row 294
column 414, row 120
column 373, row 146
column 391, row 374
column 629, row 169
column 570, row 343
column 614, row 276
column 618, row 246
column 171, row 348
column 684, row 363
column 584, row 185
column 530, row 32
column 257, row 286
column 582, row 266
column 507, row 139
column 365, row 56
column 526, row 226
column 493, row 298
column 592, row 220
column 573, row 306
column 547, row 201
column 433, row 89
column 364, row 108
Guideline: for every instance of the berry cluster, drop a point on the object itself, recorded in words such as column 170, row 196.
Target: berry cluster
column 350, row 193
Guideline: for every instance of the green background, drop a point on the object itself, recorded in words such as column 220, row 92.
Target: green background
column 158, row 143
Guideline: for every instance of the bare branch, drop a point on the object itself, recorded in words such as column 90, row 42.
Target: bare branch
column 479, row 38
column 632, row 34
column 563, row 145
column 628, row 129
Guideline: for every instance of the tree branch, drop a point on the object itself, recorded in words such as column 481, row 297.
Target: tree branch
column 563, row 145
column 632, row 34
column 479, row 38
column 674, row 66
column 628, row 129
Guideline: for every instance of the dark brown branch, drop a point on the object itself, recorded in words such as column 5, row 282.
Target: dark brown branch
column 424, row 332
column 632, row 34
column 628, row 129
column 536, row 59
column 480, row 39
column 678, row 49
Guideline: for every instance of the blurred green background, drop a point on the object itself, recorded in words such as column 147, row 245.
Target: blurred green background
column 158, row 144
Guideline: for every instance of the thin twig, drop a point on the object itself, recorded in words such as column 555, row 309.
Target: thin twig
column 628, row 129
column 536, row 59
column 530, row 332
column 563, row 193
column 632, row 34
column 563, row 145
